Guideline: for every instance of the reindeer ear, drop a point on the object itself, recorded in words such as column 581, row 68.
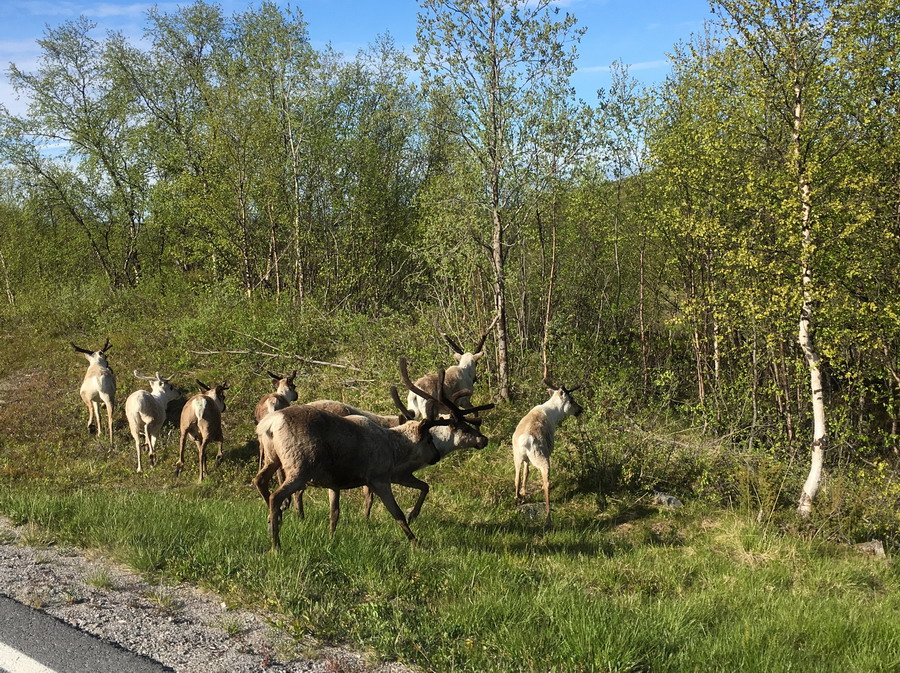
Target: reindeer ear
column 457, row 357
column 477, row 356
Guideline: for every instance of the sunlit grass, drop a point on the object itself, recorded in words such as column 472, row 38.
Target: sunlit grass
column 721, row 594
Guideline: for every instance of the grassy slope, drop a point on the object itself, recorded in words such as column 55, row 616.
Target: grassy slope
column 623, row 588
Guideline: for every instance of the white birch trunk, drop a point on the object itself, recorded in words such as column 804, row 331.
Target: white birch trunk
column 805, row 336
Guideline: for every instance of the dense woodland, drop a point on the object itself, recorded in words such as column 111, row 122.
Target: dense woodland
column 724, row 246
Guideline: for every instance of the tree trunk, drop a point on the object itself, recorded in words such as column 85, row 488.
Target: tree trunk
column 500, row 306
column 9, row 293
column 806, row 329
column 548, row 308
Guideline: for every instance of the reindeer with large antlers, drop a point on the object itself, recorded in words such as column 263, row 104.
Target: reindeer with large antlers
column 314, row 447
column 146, row 412
column 534, row 436
column 99, row 385
column 461, row 376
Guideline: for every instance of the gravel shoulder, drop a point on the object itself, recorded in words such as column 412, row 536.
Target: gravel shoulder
column 182, row 627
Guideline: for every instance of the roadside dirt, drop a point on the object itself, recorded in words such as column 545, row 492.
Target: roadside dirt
column 186, row 629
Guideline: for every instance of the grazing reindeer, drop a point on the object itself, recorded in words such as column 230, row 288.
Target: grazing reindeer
column 201, row 418
column 318, row 448
column 285, row 393
column 99, row 385
column 460, row 376
column 146, row 411
column 534, row 435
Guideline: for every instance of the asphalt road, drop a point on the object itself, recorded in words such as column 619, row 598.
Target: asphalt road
column 34, row 642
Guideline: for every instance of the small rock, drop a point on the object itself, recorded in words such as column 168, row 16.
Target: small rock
column 666, row 500
column 873, row 548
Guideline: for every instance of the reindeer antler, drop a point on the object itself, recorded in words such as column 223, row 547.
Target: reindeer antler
column 79, row 349
column 106, row 346
column 455, row 346
column 407, row 413
column 484, row 336
column 455, row 411
column 275, row 376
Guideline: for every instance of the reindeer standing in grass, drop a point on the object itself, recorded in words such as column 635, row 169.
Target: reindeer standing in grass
column 146, row 412
column 534, row 436
column 201, row 419
column 99, row 385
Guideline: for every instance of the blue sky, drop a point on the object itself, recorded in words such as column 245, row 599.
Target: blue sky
column 637, row 32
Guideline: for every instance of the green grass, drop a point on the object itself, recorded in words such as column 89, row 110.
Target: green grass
column 684, row 591
column 616, row 585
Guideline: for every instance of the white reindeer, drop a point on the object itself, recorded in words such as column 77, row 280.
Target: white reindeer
column 461, row 376
column 99, row 385
column 534, row 436
column 146, row 412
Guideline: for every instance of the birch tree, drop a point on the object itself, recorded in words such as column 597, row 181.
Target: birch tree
column 502, row 61
column 786, row 43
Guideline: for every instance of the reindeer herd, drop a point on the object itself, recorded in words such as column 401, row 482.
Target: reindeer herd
column 332, row 445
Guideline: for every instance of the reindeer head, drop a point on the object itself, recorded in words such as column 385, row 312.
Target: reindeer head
column 160, row 386
column 468, row 359
column 97, row 357
column 217, row 393
column 563, row 397
column 284, row 385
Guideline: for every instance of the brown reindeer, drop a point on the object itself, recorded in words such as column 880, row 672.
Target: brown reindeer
column 285, row 393
column 201, row 418
column 314, row 447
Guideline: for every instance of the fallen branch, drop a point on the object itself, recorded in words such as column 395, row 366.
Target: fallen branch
column 286, row 356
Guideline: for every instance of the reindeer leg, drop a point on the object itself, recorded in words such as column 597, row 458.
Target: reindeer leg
column 201, row 451
column 284, row 492
column 519, row 490
column 150, row 446
column 263, row 478
column 334, row 504
column 414, row 482
column 367, row 501
column 383, row 491
column 137, row 445
column 109, row 413
column 298, row 503
column 180, row 464
column 220, row 456
column 545, row 479
column 95, row 417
